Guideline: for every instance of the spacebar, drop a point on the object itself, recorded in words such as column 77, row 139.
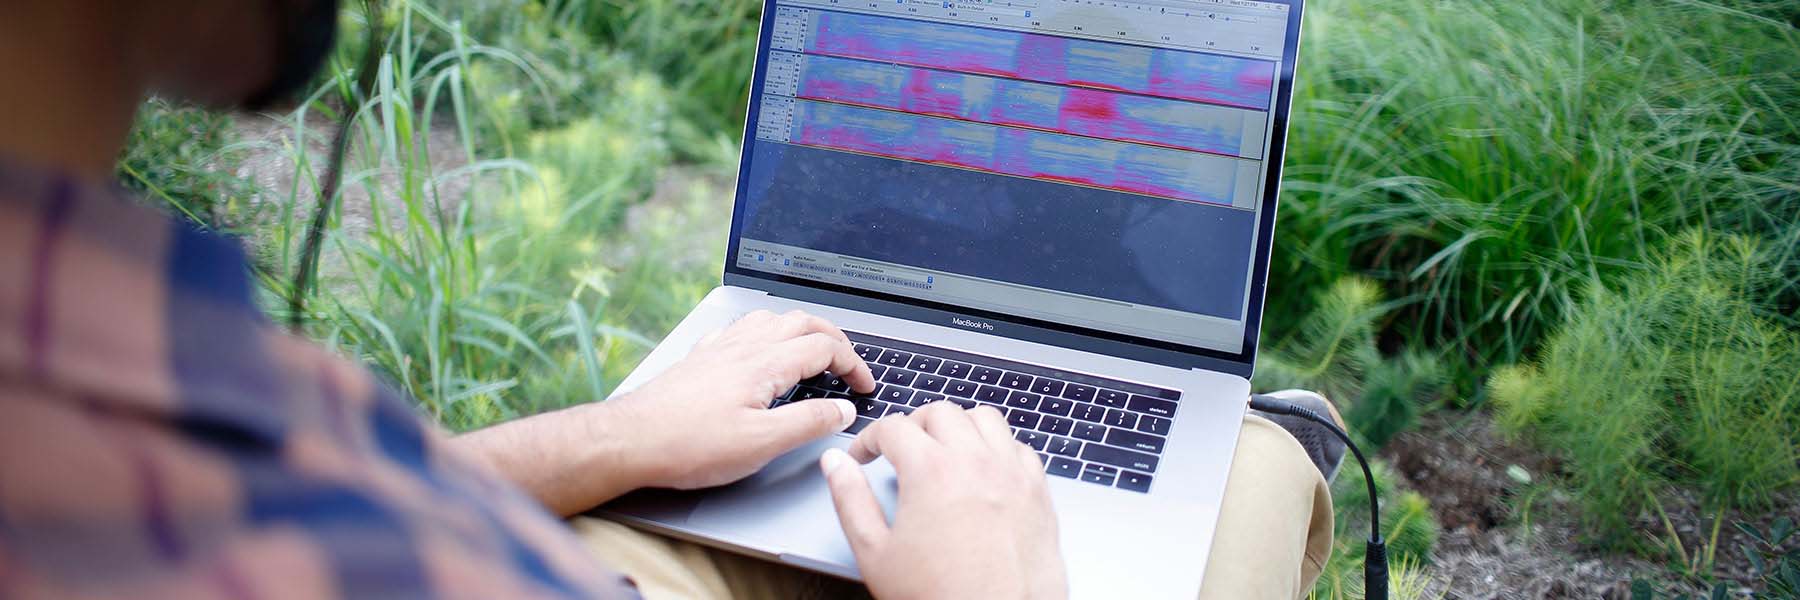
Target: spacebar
column 1124, row 459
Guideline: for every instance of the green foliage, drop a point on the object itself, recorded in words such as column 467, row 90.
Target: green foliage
column 1411, row 533
column 1333, row 352
column 489, row 286
column 1675, row 377
column 1482, row 160
column 1778, row 569
column 175, row 155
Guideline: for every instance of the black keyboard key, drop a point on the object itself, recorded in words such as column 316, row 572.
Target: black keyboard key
column 1056, row 425
column 1055, row 406
column 1032, row 438
column 1078, row 392
column 1152, row 406
column 1119, row 418
column 1047, row 387
column 961, row 389
column 1022, row 400
column 1043, row 458
column 899, row 377
column 1156, row 425
column 927, row 364
column 869, row 407
column 1126, row 459
column 1092, row 413
column 807, row 393
column 895, row 358
column 1137, row 482
column 1063, row 446
column 1063, row 467
column 991, row 394
column 877, row 371
column 954, row 370
column 1133, row 440
column 1090, row 432
column 964, row 402
column 789, row 393
column 816, row 380
column 860, row 424
column 1112, row 399
column 836, row 384
column 1092, row 475
column 924, row 398
column 867, row 352
column 1017, row 381
column 929, row 382
column 899, row 408
column 895, row 394
column 1023, row 419
column 985, row 375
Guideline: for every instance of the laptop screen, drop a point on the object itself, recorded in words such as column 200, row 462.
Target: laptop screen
column 1091, row 163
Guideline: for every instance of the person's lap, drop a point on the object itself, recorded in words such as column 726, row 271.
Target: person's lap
column 1274, row 534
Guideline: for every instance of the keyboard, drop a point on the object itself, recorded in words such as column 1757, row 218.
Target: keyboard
column 1097, row 430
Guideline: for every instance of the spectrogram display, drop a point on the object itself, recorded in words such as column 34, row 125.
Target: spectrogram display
column 1092, row 162
column 1167, row 73
column 1080, row 111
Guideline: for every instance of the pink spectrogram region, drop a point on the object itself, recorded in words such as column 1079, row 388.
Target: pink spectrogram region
column 1209, row 78
column 1080, row 111
column 1092, row 162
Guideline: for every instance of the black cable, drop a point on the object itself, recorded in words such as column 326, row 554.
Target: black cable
column 1375, row 563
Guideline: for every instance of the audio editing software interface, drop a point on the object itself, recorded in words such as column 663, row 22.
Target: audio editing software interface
column 1087, row 162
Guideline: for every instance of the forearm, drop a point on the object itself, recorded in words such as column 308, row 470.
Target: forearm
column 571, row 460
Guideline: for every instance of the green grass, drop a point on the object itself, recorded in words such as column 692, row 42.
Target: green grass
column 1675, row 378
column 1483, row 161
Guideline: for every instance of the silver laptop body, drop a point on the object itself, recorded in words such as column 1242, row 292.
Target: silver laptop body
column 1080, row 189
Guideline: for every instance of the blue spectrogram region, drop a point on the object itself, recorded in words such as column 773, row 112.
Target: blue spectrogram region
column 1181, row 75
column 1079, row 111
column 1135, row 168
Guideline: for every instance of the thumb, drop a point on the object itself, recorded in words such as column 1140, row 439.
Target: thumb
column 793, row 424
column 858, row 511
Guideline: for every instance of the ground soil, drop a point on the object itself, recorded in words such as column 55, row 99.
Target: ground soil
column 1508, row 538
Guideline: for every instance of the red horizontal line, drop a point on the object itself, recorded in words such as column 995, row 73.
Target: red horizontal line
column 1027, row 127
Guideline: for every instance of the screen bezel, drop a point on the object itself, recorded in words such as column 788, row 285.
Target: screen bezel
column 1241, row 363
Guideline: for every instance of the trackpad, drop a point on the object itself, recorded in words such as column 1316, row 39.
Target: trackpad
column 786, row 508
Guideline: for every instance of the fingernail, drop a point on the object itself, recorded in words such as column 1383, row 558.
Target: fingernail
column 846, row 413
column 832, row 460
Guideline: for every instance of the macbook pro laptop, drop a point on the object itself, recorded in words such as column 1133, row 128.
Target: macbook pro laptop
column 1061, row 208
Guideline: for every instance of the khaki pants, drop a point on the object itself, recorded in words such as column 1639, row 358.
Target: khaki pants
column 1273, row 537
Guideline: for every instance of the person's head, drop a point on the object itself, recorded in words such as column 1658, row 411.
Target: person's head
column 225, row 53
column 69, row 67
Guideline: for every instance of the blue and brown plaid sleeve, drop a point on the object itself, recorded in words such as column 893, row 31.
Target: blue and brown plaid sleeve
column 158, row 438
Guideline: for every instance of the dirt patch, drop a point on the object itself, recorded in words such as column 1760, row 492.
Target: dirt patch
column 1509, row 537
column 271, row 149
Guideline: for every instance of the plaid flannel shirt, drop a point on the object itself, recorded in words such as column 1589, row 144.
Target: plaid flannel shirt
column 160, row 438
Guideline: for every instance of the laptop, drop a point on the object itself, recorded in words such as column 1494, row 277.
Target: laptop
column 1061, row 208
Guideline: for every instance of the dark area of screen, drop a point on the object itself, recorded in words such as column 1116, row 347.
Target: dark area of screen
column 1180, row 255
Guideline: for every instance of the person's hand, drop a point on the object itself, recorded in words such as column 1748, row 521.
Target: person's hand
column 706, row 421
column 974, row 519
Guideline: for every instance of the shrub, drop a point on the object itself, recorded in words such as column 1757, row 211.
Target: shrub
column 1676, row 377
column 1481, row 160
column 175, row 156
column 1333, row 352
